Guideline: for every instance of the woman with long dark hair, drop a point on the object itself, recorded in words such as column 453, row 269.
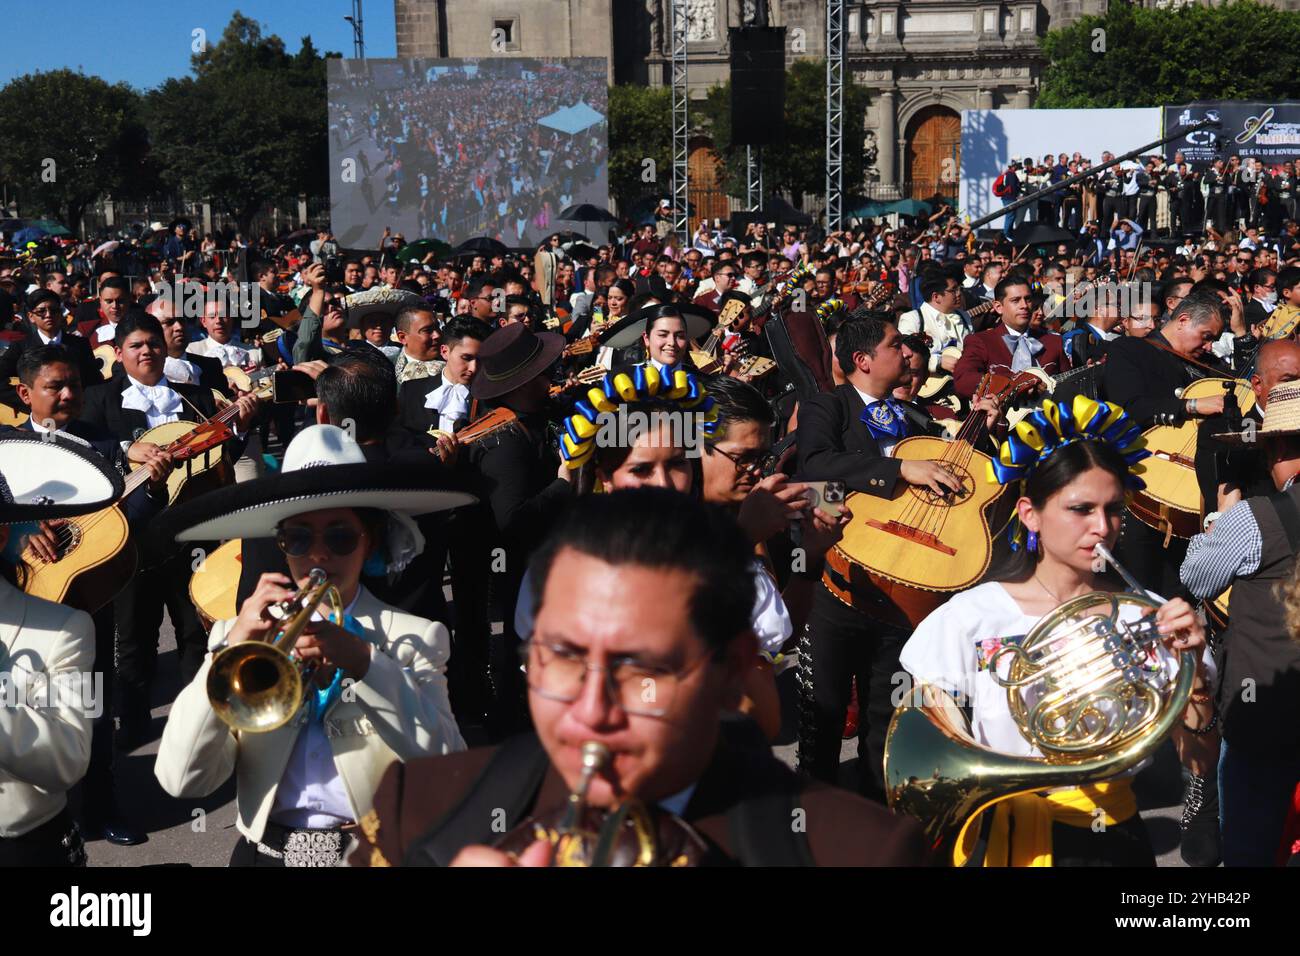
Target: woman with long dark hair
column 1072, row 499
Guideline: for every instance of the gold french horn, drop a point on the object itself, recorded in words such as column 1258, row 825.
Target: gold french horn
column 1081, row 688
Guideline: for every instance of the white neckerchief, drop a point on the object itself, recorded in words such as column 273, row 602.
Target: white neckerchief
column 451, row 399
column 160, row 403
column 180, row 370
column 231, row 353
column 105, row 333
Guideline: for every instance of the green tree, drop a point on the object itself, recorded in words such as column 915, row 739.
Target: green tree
column 69, row 139
column 798, row 164
column 640, row 129
column 250, row 127
column 1134, row 56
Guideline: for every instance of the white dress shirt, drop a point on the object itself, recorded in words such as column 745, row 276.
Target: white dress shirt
column 311, row 794
column 944, row 328
column 46, row 340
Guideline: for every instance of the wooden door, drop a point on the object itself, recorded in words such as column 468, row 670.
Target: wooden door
column 933, row 152
column 706, row 192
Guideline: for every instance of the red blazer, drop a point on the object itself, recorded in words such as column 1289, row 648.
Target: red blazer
column 986, row 350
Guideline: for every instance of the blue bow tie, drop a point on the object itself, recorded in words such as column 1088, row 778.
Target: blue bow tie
column 885, row 419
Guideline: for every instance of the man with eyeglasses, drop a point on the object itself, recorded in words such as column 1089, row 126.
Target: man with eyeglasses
column 44, row 326
column 641, row 643
column 1242, row 263
column 938, row 319
column 724, row 280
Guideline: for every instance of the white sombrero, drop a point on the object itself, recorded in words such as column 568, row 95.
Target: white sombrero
column 42, row 479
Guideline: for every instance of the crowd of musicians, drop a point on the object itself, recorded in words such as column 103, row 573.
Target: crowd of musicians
column 539, row 639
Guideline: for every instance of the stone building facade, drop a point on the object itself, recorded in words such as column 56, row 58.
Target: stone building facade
column 923, row 60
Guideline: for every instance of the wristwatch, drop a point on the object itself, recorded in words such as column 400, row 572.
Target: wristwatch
column 1191, row 406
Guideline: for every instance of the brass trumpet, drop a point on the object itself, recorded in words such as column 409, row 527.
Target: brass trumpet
column 631, row 834
column 257, row 685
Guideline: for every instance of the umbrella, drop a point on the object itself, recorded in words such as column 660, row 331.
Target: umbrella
column 104, row 247
column 29, row 234
column 781, row 212
column 51, row 228
column 579, row 250
column 1040, row 234
column 586, row 212
column 416, row 251
column 296, row 236
column 481, row 245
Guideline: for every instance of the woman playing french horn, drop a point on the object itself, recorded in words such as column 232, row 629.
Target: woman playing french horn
column 1075, row 465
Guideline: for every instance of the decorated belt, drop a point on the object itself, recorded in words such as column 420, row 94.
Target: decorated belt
column 303, row 847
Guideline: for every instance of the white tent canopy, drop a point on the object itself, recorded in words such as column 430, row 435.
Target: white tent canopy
column 572, row 119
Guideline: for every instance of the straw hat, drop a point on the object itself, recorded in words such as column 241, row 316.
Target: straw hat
column 1281, row 417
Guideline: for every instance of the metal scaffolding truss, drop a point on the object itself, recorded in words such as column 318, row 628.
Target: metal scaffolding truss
column 834, row 112
column 754, row 177
column 681, row 126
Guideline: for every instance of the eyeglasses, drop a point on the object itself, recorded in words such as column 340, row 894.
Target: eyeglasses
column 645, row 690
column 296, row 540
column 48, row 313
column 751, row 464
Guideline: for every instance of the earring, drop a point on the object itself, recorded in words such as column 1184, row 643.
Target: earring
column 1031, row 542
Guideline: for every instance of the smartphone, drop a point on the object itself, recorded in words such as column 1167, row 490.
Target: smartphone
column 292, row 386
column 827, row 495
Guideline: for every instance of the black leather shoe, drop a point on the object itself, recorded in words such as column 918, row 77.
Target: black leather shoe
column 1202, row 844
column 119, row 833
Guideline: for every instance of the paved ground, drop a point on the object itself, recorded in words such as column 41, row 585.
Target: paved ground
column 202, row 832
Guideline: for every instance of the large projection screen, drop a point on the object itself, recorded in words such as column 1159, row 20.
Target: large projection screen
column 989, row 138
column 452, row 149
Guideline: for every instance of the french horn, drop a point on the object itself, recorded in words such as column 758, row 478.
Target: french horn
column 1086, row 688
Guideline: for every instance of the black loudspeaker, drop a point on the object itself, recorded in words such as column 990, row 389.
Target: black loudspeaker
column 757, row 86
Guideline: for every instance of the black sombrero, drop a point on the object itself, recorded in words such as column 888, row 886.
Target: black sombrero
column 627, row 331
column 42, row 479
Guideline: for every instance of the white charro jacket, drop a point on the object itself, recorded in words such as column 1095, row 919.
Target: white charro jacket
column 399, row 711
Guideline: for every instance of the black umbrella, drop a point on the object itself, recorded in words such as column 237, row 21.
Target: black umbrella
column 1040, row 234
column 579, row 250
column 586, row 212
column 782, row 213
column 481, row 245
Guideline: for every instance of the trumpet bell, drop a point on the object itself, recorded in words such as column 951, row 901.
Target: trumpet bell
column 254, row 687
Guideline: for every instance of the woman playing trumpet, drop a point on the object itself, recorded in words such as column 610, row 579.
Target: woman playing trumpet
column 377, row 690
column 1076, row 465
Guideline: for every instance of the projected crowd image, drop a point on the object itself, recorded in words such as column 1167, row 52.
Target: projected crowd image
column 459, row 148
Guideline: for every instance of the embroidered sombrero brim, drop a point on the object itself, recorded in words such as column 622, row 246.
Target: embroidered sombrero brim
column 386, row 302
column 253, row 509
column 627, row 331
column 45, row 479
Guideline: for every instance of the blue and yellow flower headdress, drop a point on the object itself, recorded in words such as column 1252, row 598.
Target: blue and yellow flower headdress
column 1047, row 430
column 641, row 383
column 829, row 309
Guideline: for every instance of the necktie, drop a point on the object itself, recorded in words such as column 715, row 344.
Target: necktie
column 1023, row 348
column 885, row 420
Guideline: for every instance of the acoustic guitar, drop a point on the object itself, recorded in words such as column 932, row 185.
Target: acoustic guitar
column 107, row 356
column 96, row 556
column 193, row 441
column 1171, row 502
column 494, row 421
column 214, row 586
column 917, row 548
column 587, row 376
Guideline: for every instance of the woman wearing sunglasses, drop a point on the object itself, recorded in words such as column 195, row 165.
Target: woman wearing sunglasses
column 378, row 692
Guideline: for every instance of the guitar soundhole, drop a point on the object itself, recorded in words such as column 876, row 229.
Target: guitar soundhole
column 930, row 498
column 72, row 532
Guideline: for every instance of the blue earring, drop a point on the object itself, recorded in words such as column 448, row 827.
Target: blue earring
column 1032, row 542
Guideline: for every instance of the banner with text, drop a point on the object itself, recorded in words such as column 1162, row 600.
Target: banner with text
column 1269, row 132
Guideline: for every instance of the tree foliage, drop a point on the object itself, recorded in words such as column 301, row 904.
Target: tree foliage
column 640, row 129
column 798, row 163
column 250, row 127
column 1135, row 56
column 69, row 139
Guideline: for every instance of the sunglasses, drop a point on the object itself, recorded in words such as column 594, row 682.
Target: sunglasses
column 296, row 540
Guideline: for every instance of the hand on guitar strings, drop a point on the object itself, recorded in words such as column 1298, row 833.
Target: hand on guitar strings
column 156, row 461
column 771, row 506
column 45, row 541
column 931, row 474
column 446, row 448
column 989, row 406
column 247, row 403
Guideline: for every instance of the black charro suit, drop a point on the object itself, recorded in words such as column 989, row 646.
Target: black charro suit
column 79, row 350
column 163, row 580
column 411, row 396
column 843, row 643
